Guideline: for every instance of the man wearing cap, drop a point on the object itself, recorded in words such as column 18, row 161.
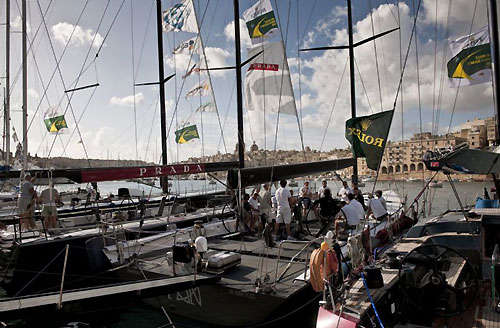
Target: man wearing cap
column 26, row 202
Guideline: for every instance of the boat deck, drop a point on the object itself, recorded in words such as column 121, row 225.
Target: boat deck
column 257, row 261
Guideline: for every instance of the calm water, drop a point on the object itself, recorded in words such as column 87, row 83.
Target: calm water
column 138, row 315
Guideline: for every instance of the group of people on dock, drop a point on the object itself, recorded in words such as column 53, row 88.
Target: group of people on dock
column 350, row 205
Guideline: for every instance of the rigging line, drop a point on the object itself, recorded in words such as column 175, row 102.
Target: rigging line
column 80, row 74
column 227, row 112
column 376, row 57
column 109, row 29
column 333, row 105
column 443, row 67
column 80, row 118
column 435, row 68
column 459, row 81
column 177, row 99
column 282, row 79
column 402, row 93
column 62, row 81
column 133, row 76
column 418, row 92
column 363, row 84
column 384, row 56
column 144, row 40
column 300, row 84
column 211, row 88
column 281, row 87
column 407, row 54
column 18, row 73
column 151, row 129
column 390, row 9
column 125, row 130
column 308, row 21
column 61, row 56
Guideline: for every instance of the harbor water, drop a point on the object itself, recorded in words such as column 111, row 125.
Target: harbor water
column 140, row 315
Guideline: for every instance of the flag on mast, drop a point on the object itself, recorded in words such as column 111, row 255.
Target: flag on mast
column 203, row 88
column 180, row 18
column 185, row 134
column 368, row 136
column 471, row 62
column 268, row 85
column 55, row 124
column 198, row 68
column 261, row 22
column 187, row 47
column 208, row 107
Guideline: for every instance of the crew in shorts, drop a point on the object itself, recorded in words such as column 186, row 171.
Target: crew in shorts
column 284, row 213
column 49, row 198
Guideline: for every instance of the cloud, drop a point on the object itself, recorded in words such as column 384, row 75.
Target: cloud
column 244, row 37
column 127, row 101
column 62, row 32
column 17, row 24
column 216, row 57
column 321, row 76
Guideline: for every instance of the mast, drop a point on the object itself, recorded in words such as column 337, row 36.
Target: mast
column 25, row 89
column 161, row 73
column 495, row 60
column 7, row 82
column 239, row 94
column 352, row 79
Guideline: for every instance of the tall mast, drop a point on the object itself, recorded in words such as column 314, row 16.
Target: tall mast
column 25, row 89
column 495, row 62
column 239, row 94
column 164, row 181
column 352, row 78
column 7, row 82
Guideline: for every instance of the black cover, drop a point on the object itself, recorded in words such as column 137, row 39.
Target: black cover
column 182, row 253
column 258, row 175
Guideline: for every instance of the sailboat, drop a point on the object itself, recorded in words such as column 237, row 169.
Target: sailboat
column 443, row 273
column 226, row 292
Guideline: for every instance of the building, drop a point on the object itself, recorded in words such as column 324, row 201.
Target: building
column 404, row 158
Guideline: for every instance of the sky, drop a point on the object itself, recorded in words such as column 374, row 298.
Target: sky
column 114, row 43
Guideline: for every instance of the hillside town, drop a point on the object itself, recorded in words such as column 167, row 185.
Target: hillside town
column 402, row 159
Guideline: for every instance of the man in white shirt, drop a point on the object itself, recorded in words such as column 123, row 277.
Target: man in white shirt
column 378, row 193
column 284, row 213
column 353, row 203
column 255, row 209
column 266, row 203
column 305, row 195
column 375, row 206
column 26, row 203
column 321, row 190
column 344, row 191
column 49, row 198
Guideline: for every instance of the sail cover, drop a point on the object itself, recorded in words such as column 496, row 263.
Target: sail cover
column 471, row 62
column 268, row 86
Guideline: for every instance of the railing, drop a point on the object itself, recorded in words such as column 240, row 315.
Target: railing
column 291, row 261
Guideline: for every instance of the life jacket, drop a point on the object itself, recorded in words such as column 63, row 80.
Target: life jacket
column 316, row 264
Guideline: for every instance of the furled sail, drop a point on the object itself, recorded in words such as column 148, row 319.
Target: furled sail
column 268, row 86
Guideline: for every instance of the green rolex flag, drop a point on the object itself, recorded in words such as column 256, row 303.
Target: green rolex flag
column 56, row 123
column 185, row 134
column 368, row 136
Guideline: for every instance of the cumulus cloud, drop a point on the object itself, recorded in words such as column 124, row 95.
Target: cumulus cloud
column 127, row 101
column 244, row 37
column 62, row 32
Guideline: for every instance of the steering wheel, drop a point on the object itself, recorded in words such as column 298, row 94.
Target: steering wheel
column 429, row 284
